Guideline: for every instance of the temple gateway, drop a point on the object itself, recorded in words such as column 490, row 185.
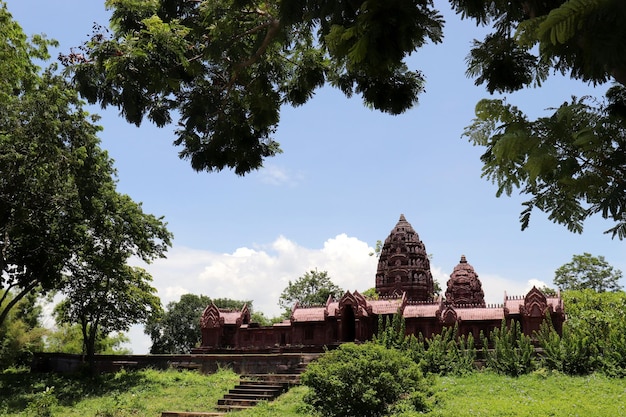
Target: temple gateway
column 404, row 284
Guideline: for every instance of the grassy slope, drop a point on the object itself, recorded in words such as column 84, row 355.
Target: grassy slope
column 147, row 393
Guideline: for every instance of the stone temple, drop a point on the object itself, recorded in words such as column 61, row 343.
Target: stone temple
column 405, row 285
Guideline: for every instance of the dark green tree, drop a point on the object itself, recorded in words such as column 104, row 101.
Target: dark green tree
column 312, row 288
column 588, row 272
column 177, row 329
column 226, row 67
column 46, row 145
column 102, row 301
column 60, row 213
column 103, row 293
column 512, row 351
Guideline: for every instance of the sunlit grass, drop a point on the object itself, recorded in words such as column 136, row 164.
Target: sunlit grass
column 149, row 392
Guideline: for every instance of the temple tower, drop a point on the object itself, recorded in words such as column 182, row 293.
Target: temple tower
column 464, row 287
column 403, row 265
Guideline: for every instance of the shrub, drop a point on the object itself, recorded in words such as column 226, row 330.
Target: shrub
column 363, row 380
column 573, row 353
column 512, row 352
column 446, row 353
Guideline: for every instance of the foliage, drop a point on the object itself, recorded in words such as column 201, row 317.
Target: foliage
column 21, row 333
column 312, row 288
column 570, row 163
column 68, row 338
column 512, row 351
column 370, row 294
column 391, row 332
column 363, row 380
column 447, row 353
column 60, row 214
column 587, row 272
column 572, row 352
column 42, row 404
column 593, row 336
column 102, row 302
column 177, row 329
column 226, row 67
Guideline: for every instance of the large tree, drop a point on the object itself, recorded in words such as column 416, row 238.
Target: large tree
column 59, row 208
column 177, row 329
column 312, row 288
column 103, row 293
column 588, row 272
column 41, row 131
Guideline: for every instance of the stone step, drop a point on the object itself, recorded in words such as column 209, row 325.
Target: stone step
column 244, row 402
column 254, row 391
column 292, row 379
column 229, row 408
column 190, row 414
column 248, row 396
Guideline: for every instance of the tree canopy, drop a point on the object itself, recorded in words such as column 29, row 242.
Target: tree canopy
column 571, row 163
column 588, row 272
column 60, row 213
column 177, row 329
column 312, row 288
column 226, row 67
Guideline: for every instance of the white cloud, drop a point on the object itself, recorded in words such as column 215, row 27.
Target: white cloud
column 274, row 175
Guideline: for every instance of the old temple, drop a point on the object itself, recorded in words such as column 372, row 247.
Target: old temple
column 404, row 285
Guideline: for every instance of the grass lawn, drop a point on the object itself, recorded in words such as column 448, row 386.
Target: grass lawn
column 148, row 393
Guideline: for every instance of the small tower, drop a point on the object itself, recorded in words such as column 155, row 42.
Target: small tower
column 464, row 287
column 403, row 265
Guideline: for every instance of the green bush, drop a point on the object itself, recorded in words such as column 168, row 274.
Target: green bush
column 512, row 351
column 364, row 380
column 572, row 353
column 446, row 353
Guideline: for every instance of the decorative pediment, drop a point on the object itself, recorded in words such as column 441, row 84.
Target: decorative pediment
column 245, row 316
column 355, row 301
column 448, row 315
column 535, row 304
column 211, row 317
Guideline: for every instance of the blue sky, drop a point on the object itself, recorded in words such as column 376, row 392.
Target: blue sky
column 346, row 175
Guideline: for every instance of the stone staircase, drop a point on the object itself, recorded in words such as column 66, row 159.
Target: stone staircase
column 252, row 389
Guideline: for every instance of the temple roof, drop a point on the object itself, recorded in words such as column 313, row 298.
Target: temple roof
column 385, row 306
column 421, row 310
column 309, row 314
column 464, row 287
column 403, row 265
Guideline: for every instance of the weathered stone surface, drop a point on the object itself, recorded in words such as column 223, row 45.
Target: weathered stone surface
column 403, row 266
column 464, row 287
